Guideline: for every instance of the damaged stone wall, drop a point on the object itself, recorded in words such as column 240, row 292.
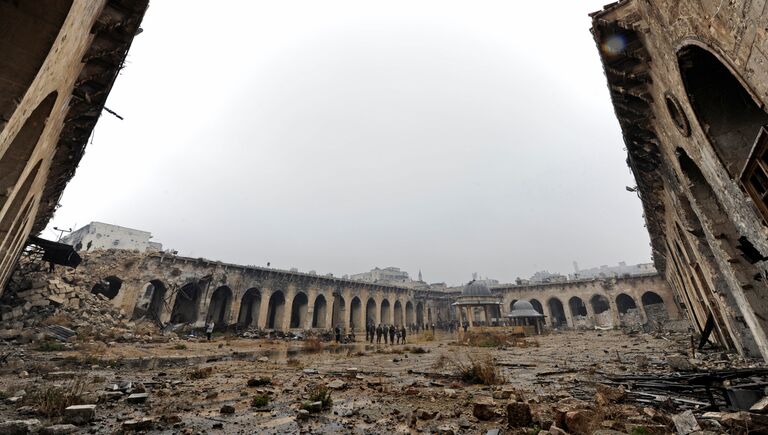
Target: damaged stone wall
column 166, row 289
column 554, row 300
column 60, row 59
column 689, row 81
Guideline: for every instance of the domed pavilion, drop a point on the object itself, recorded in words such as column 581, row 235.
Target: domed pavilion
column 476, row 294
column 523, row 314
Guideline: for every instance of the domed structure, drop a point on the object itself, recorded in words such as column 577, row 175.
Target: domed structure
column 523, row 314
column 523, row 308
column 476, row 288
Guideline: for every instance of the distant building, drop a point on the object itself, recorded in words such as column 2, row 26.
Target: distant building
column 614, row 271
column 389, row 275
column 107, row 236
column 544, row 276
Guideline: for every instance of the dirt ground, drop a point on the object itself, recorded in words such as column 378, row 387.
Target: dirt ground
column 412, row 388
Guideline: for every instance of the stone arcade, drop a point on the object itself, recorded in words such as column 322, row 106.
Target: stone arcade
column 178, row 289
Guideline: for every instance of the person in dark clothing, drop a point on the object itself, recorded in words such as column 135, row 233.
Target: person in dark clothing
column 466, row 325
column 385, row 333
column 378, row 334
column 402, row 334
column 337, row 332
column 373, row 331
column 391, row 334
column 367, row 331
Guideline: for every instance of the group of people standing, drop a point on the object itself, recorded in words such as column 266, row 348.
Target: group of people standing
column 389, row 332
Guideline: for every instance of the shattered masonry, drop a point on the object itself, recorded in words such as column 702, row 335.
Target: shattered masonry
column 689, row 83
column 60, row 59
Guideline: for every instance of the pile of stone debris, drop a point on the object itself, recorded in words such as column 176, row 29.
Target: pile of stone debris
column 39, row 306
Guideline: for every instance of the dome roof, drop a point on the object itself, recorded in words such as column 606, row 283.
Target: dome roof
column 476, row 288
column 522, row 304
column 523, row 308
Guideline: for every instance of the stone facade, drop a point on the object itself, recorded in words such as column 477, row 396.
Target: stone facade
column 60, row 59
column 177, row 289
column 607, row 303
column 98, row 235
column 689, row 82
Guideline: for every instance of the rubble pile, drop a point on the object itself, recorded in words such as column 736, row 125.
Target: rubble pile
column 39, row 305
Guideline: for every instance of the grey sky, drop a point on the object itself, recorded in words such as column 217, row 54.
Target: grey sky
column 446, row 136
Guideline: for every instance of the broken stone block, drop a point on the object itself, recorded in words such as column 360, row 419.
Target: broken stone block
column 140, row 424
column 302, row 414
column 423, row 414
column 59, row 429
column 336, row 384
column 680, row 363
column 761, row 406
column 109, row 396
column 314, row 406
column 579, row 421
column 259, row 382
column 519, row 414
column 19, row 427
column 606, row 395
column 137, row 398
column 685, row 423
column 484, row 408
column 79, row 414
column 228, row 409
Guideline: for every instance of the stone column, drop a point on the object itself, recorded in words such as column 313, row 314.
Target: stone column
column 266, row 294
column 347, row 311
column 614, row 313
column 311, row 296
column 329, row 309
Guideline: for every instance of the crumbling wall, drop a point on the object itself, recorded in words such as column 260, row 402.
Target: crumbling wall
column 633, row 317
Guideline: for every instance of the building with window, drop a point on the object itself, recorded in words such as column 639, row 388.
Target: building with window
column 59, row 61
column 98, row 235
column 689, row 84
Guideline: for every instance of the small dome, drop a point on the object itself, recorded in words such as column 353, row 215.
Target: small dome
column 522, row 304
column 523, row 308
column 476, row 288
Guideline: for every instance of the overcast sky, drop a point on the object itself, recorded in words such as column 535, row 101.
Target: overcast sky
column 447, row 136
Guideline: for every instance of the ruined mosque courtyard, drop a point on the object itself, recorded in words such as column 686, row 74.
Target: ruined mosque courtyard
column 103, row 330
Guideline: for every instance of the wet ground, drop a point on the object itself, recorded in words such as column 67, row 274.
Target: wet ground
column 382, row 388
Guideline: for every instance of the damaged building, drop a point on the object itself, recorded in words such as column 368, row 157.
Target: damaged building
column 59, row 61
column 689, row 85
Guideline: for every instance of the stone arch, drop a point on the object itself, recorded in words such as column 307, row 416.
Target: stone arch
column 537, row 306
column 16, row 240
column 151, row 301
column 726, row 111
column 409, row 317
column 624, row 303
column 370, row 311
column 385, row 312
column 512, row 305
column 577, row 306
column 319, row 317
column 186, row 305
column 276, row 310
column 29, row 31
column 15, row 158
column 419, row 313
column 339, row 310
column 12, row 212
column 356, row 313
column 601, row 307
column 557, row 312
column 109, row 287
column 220, row 306
column 250, row 305
column 654, row 307
column 398, row 313
column 299, row 309
column 599, row 304
column 651, row 298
